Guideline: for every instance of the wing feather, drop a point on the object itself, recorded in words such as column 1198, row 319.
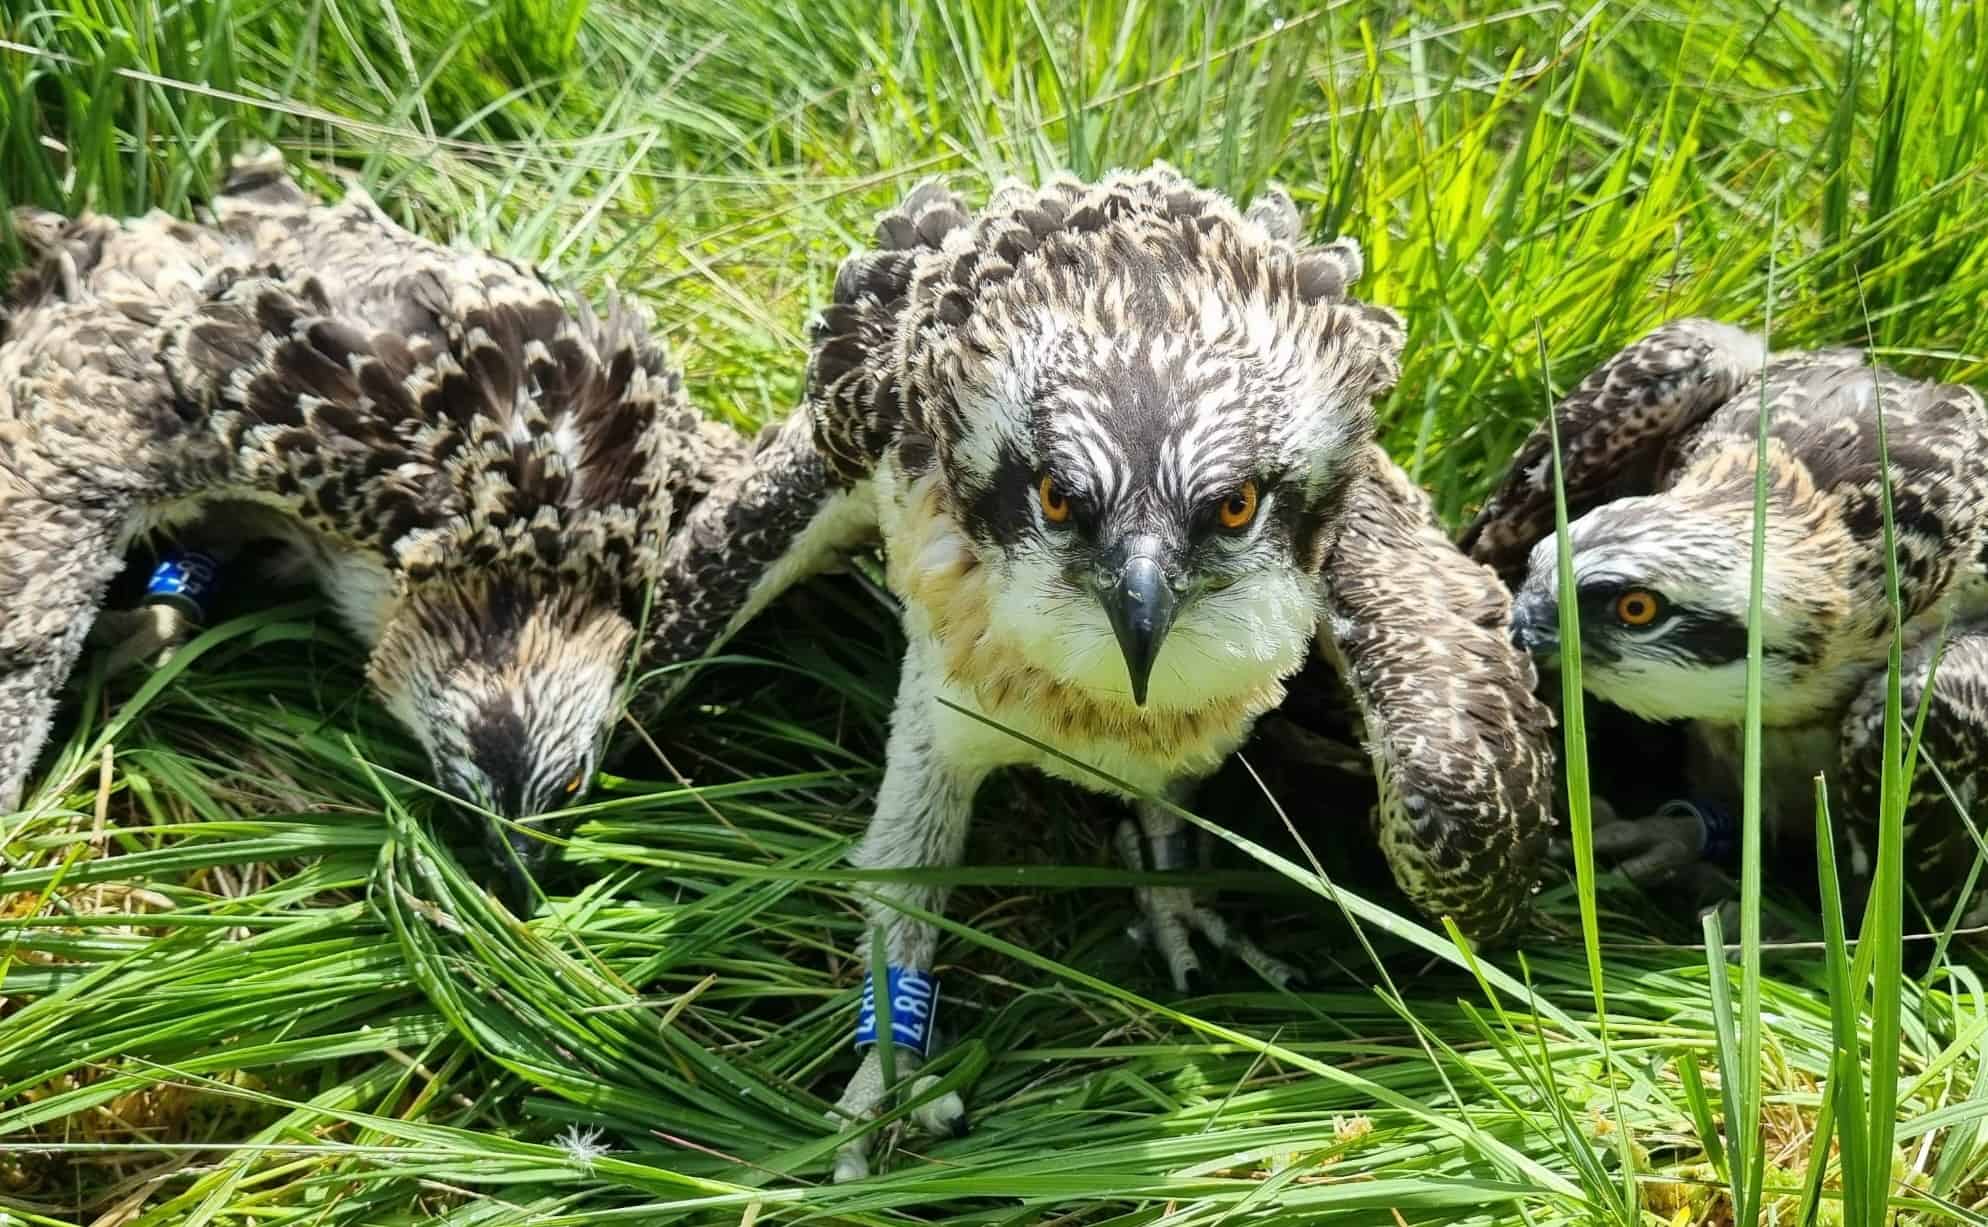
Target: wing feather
column 1615, row 429
column 771, row 519
column 440, row 406
column 1938, row 847
column 1460, row 744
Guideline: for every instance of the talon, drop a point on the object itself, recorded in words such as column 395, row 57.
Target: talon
column 944, row 1116
column 1191, row 981
column 1307, row 748
column 1277, row 971
column 147, row 633
column 850, row 1165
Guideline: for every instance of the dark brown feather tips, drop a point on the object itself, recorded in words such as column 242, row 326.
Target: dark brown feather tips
column 86, row 410
column 1822, row 426
column 1461, row 746
column 447, row 407
column 1615, row 427
column 739, row 545
column 1939, row 850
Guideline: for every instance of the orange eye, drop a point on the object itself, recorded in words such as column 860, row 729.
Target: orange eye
column 573, row 785
column 1055, row 503
column 1239, row 508
column 1638, row 607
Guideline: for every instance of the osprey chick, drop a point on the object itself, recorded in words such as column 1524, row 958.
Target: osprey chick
column 1659, row 475
column 1110, row 434
column 483, row 475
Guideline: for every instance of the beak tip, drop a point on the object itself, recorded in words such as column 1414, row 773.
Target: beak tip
column 1530, row 632
column 1140, row 605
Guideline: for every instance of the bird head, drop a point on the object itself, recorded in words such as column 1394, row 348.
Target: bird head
column 1146, row 420
column 1662, row 587
column 512, row 687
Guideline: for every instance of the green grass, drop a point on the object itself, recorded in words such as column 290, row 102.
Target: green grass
column 245, row 982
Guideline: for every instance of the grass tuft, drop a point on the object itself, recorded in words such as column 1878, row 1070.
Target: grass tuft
column 243, row 978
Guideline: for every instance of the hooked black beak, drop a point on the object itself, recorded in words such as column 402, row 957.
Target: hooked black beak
column 1140, row 603
column 1536, row 626
column 516, row 856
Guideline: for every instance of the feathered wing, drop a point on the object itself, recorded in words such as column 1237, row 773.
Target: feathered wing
column 91, row 431
column 1936, row 443
column 1938, row 846
column 442, row 407
column 1460, row 744
column 770, row 520
column 1615, row 429
column 856, row 368
column 84, row 404
column 790, row 508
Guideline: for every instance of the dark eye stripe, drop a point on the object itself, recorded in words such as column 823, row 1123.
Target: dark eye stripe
column 1003, row 509
column 1714, row 639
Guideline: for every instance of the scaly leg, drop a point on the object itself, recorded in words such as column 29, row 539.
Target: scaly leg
column 155, row 628
column 923, row 810
column 56, row 560
column 1162, row 841
column 1660, row 849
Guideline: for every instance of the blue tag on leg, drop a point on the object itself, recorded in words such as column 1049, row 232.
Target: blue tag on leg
column 912, row 998
column 185, row 579
column 1722, row 833
column 1718, row 830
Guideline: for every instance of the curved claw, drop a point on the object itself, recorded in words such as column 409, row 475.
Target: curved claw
column 148, row 633
column 1170, row 916
column 944, row 1117
column 863, row 1101
column 1307, row 748
column 1649, row 851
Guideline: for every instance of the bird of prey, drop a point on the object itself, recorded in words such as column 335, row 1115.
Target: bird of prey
column 1117, row 441
column 493, row 484
column 1659, row 459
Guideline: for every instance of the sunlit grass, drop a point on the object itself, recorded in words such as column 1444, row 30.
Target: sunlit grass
column 247, row 981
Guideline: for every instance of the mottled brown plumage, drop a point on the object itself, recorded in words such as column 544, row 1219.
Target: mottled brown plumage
column 484, row 475
column 1661, row 536
column 1460, row 746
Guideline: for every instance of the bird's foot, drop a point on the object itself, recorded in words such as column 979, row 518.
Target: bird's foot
column 863, row 1101
column 149, row 633
column 1656, row 850
column 1307, row 748
column 1683, row 848
column 1172, row 917
column 175, row 601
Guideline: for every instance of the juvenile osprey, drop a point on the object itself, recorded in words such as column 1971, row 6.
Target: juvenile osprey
column 1659, row 447
column 488, row 480
column 1117, row 440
